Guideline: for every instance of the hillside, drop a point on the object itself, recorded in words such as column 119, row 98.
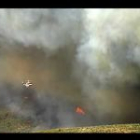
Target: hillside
column 118, row 128
column 9, row 122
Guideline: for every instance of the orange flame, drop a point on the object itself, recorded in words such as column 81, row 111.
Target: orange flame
column 80, row 111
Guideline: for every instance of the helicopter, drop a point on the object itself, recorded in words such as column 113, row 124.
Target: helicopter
column 27, row 84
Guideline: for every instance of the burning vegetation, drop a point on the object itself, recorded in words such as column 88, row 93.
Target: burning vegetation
column 80, row 111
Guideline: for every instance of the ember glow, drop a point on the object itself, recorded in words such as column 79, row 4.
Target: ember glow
column 80, row 111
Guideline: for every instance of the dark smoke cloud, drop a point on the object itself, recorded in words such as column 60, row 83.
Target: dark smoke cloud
column 40, row 45
column 74, row 57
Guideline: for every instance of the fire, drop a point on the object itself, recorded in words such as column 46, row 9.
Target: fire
column 80, row 111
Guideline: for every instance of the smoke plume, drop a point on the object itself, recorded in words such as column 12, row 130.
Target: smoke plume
column 74, row 57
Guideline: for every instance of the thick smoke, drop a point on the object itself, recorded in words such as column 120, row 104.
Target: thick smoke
column 109, row 64
column 74, row 57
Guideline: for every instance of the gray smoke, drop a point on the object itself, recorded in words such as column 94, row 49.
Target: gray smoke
column 74, row 57
column 109, row 60
column 50, row 29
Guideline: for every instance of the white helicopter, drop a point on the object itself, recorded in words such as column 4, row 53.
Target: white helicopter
column 27, row 84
